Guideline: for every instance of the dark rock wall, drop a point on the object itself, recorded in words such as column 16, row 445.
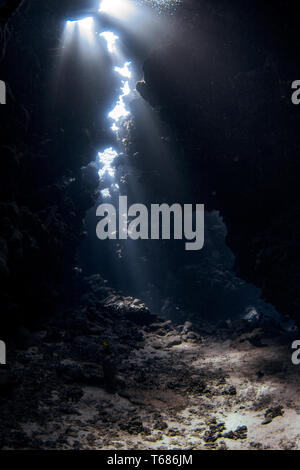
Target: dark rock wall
column 224, row 86
column 45, row 143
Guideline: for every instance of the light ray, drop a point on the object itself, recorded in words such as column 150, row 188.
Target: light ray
column 125, row 70
column 119, row 111
column 111, row 39
column 106, row 158
column 121, row 9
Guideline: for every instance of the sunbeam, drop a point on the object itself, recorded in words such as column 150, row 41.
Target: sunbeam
column 121, row 9
column 125, row 70
column 120, row 110
column 106, row 158
column 111, row 40
column 86, row 27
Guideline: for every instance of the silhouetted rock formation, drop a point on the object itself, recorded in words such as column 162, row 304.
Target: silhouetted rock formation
column 47, row 141
column 224, row 85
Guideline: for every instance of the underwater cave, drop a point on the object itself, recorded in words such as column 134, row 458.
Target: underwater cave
column 149, row 226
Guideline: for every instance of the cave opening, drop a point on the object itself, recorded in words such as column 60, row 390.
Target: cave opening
column 211, row 274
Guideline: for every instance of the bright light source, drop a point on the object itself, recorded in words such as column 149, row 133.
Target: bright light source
column 125, row 70
column 106, row 158
column 69, row 31
column 86, row 27
column 105, row 193
column 126, row 89
column 111, row 40
column 114, row 127
column 119, row 111
column 86, row 23
column 70, row 24
column 117, row 8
